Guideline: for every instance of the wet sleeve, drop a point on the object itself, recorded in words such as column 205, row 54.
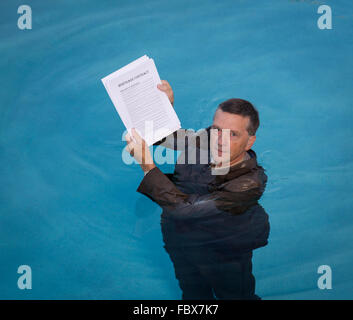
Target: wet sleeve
column 159, row 188
column 180, row 139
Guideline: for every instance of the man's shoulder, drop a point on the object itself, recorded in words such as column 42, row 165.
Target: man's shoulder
column 253, row 179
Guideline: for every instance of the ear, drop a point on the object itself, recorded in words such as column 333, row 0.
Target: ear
column 250, row 143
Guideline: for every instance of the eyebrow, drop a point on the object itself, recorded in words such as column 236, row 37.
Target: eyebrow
column 233, row 131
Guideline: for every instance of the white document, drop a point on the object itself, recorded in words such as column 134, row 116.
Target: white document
column 139, row 103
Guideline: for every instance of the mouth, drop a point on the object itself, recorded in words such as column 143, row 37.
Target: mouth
column 219, row 147
column 219, row 150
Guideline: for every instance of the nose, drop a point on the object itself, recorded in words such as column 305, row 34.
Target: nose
column 222, row 137
column 219, row 139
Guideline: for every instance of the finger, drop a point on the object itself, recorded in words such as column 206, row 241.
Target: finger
column 128, row 137
column 130, row 149
column 161, row 87
column 136, row 136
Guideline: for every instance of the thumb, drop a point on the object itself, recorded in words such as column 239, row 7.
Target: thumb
column 162, row 86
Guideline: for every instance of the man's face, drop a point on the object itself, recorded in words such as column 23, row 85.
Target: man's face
column 230, row 140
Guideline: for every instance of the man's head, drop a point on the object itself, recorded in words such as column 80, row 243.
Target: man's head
column 236, row 122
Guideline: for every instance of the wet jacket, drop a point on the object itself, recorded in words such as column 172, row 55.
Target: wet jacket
column 201, row 208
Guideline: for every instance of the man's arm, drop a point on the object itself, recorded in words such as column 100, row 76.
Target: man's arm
column 159, row 188
column 179, row 139
column 183, row 138
column 167, row 89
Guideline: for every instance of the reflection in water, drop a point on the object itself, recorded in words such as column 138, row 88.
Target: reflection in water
column 212, row 257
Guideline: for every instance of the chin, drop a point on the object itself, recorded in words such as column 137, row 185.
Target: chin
column 223, row 158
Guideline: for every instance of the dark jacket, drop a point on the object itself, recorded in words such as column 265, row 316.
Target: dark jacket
column 201, row 208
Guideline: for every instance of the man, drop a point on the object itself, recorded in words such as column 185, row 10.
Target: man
column 211, row 220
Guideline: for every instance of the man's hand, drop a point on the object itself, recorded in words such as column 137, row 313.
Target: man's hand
column 167, row 89
column 139, row 150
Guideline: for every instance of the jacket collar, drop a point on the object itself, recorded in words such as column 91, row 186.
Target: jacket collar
column 238, row 169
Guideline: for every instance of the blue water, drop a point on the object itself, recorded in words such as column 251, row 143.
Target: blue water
column 68, row 204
